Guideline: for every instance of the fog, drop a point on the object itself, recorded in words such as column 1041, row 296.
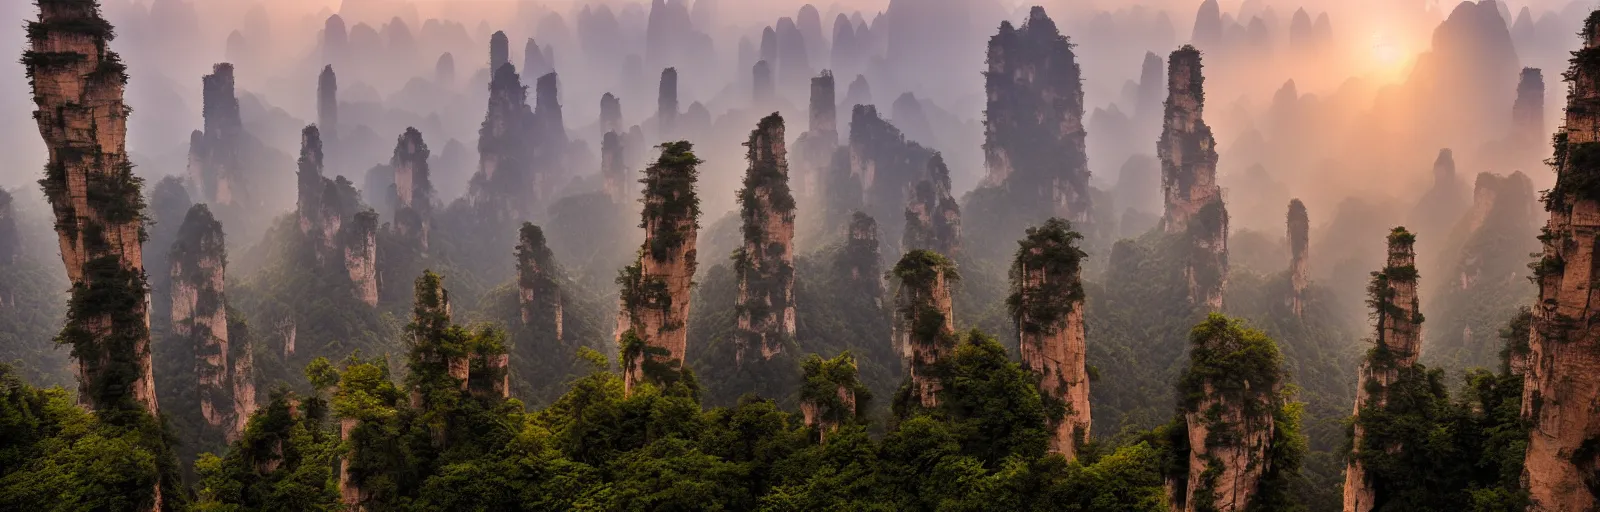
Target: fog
column 1347, row 101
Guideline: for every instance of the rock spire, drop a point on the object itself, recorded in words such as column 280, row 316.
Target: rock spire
column 1398, row 339
column 765, row 264
column 1194, row 205
column 933, row 219
column 215, row 153
column 667, row 105
column 1229, row 401
column 814, row 149
column 1527, row 114
column 343, row 232
column 77, row 84
column 328, row 105
column 1034, row 137
column 652, row 325
column 200, row 318
column 504, row 157
column 414, row 191
column 1299, row 255
column 538, row 295
column 924, row 323
column 1563, row 376
column 1046, row 303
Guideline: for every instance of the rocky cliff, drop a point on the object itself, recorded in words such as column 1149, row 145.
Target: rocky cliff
column 1299, row 255
column 504, row 159
column 1563, row 378
column 538, row 295
column 764, row 265
column 667, row 105
column 862, row 258
column 216, row 153
column 652, row 325
column 933, row 219
column 1194, row 205
column 1230, row 401
column 499, row 52
column 413, row 188
column 1034, row 137
column 814, row 149
column 1527, row 114
column 77, row 84
column 200, row 313
column 549, row 141
column 341, row 230
column 924, row 322
column 1046, row 303
column 880, row 165
column 1398, row 340
column 611, row 115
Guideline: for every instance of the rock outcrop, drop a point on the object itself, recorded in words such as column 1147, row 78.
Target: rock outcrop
column 1228, row 399
column 814, row 149
column 1563, row 377
column 342, row 231
column 328, row 105
column 667, row 105
column 832, row 394
column 548, row 131
column 652, row 321
column 933, row 219
column 924, row 323
column 1527, row 114
column 77, row 84
column 1398, row 340
column 1299, row 256
column 538, row 295
column 216, row 153
column 200, row 312
column 499, row 52
column 1194, row 205
column 880, row 166
column 1034, row 137
column 764, row 265
column 1047, row 305
column 862, row 257
column 413, row 188
column 613, row 168
column 611, row 115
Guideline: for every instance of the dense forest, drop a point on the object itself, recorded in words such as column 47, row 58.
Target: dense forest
column 759, row 293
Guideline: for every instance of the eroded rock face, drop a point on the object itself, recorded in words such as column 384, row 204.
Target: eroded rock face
column 1228, row 401
column 652, row 326
column 549, row 143
column 862, row 257
column 328, row 105
column 1299, row 255
column 667, row 105
column 1194, row 205
column 77, row 84
column 1563, row 377
column 342, row 230
column 1034, row 137
column 924, row 323
column 360, row 243
column 199, row 310
column 881, row 164
column 537, row 292
column 933, row 219
column 765, row 325
column 499, row 52
column 1047, row 304
column 830, row 393
column 215, row 153
column 413, row 188
column 1399, row 342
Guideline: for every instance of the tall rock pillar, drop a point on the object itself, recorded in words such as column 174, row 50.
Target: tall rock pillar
column 413, row 188
column 1563, row 377
column 652, row 325
column 814, row 149
column 1393, row 296
column 667, row 105
column 77, row 84
column 200, row 312
column 924, row 323
column 328, row 105
column 1194, row 205
column 933, row 218
column 1527, row 114
column 538, row 295
column 1047, row 305
column 215, row 162
column 1229, row 399
column 1299, row 256
column 765, row 264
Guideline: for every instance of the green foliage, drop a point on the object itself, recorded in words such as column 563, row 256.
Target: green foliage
column 1050, row 250
column 823, row 382
column 671, row 208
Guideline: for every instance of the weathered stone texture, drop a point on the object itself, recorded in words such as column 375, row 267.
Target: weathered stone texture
column 1299, row 255
column 216, row 153
column 199, row 310
column 1399, row 342
column 1194, row 204
column 538, row 295
column 765, row 263
column 656, row 289
column 924, row 322
column 413, row 188
column 1047, row 306
column 933, row 218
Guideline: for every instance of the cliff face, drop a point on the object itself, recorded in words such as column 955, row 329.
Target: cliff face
column 814, row 149
column 924, row 324
column 413, row 188
column 215, row 153
column 1047, row 305
column 1194, row 204
column 199, row 310
column 862, row 258
column 504, row 170
column 1563, row 377
column 1527, row 114
column 1228, row 397
column 667, row 105
column 341, row 230
column 77, row 84
column 652, row 326
column 880, row 166
column 933, row 219
column 549, row 140
column 1299, row 255
column 1393, row 295
column 1034, row 139
column 765, row 264
column 537, row 292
